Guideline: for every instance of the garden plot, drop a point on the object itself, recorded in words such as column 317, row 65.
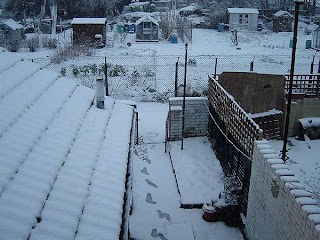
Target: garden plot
column 146, row 71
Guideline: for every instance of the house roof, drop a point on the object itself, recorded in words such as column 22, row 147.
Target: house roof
column 147, row 18
column 63, row 161
column 282, row 13
column 243, row 10
column 12, row 23
column 89, row 21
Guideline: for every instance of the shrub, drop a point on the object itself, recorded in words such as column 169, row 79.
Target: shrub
column 33, row 43
column 63, row 71
column 13, row 46
column 75, row 71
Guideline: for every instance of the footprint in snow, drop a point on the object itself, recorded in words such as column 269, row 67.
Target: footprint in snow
column 149, row 199
column 151, row 183
column 148, row 160
column 160, row 235
column 154, row 233
column 145, row 171
column 163, row 214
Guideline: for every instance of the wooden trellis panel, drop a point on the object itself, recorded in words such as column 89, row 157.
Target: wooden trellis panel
column 238, row 123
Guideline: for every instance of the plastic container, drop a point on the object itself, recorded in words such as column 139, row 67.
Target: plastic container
column 308, row 44
column 221, row 27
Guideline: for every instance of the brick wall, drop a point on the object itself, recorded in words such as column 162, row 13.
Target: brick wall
column 278, row 207
column 196, row 117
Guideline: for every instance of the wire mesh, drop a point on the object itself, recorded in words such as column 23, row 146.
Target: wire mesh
column 152, row 77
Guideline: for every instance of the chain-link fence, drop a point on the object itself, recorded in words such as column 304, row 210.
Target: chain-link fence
column 152, row 78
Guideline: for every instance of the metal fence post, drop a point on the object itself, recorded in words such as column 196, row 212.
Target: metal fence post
column 293, row 58
column 106, row 76
column 176, row 80
column 251, row 66
column 184, row 93
column 215, row 69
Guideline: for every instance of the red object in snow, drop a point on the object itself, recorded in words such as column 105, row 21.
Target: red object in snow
column 208, row 212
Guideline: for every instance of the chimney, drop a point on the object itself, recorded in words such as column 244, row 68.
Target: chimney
column 100, row 93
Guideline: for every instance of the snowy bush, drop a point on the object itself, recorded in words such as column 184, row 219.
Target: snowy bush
column 12, row 46
column 116, row 70
column 63, row 71
column 49, row 42
column 33, row 43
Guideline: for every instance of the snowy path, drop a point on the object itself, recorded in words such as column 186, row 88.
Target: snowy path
column 156, row 202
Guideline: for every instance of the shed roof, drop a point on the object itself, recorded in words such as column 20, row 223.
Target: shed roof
column 147, row 18
column 282, row 13
column 63, row 161
column 12, row 23
column 243, row 10
column 89, row 21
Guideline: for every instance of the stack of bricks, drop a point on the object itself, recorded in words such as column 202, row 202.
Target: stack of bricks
column 196, row 117
column 279, row 207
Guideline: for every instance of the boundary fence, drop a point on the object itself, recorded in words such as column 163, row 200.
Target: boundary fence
column 157, row 77
column 232, row 133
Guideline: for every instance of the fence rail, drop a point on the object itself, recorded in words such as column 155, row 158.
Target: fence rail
column 304, row 85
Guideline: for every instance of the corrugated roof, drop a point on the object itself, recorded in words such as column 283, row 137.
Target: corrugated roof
column 243, row 10
column 88, row 21
column 147, row 18
column 63, row 161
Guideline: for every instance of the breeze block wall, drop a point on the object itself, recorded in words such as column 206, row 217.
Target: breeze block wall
column 278, row 207
column 196, row 117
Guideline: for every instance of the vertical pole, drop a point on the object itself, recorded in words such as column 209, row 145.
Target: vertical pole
column 251, row 66
column 184, row 93
column 137, row 123
column 215, row 69
column 176, row 80
column 106, row 76
column 312, row 66
column 293, row 58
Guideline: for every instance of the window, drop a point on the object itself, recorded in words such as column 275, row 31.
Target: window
column 147, row 25
column 243, row 19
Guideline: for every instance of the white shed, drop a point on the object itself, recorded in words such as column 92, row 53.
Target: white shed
column 243, row 18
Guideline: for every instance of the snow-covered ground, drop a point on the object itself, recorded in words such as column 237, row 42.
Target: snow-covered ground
column 156, row 202
column 304, row 162
column 155, row 62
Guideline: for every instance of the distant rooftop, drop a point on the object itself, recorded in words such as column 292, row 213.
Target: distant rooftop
column 12, row 23
column 89, row 21
column 282, row 13
column 243, row 10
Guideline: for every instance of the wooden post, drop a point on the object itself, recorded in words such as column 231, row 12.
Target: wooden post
column 176, row 80
column 106, row 76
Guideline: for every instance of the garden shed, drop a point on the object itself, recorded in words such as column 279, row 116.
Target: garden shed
column 84, row 30
column 282, row 21
column 243, row 19
column 147, row 29
column 10, row 32
column 316, row 38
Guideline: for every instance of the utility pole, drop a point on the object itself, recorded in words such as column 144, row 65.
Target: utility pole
column 293, row 58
